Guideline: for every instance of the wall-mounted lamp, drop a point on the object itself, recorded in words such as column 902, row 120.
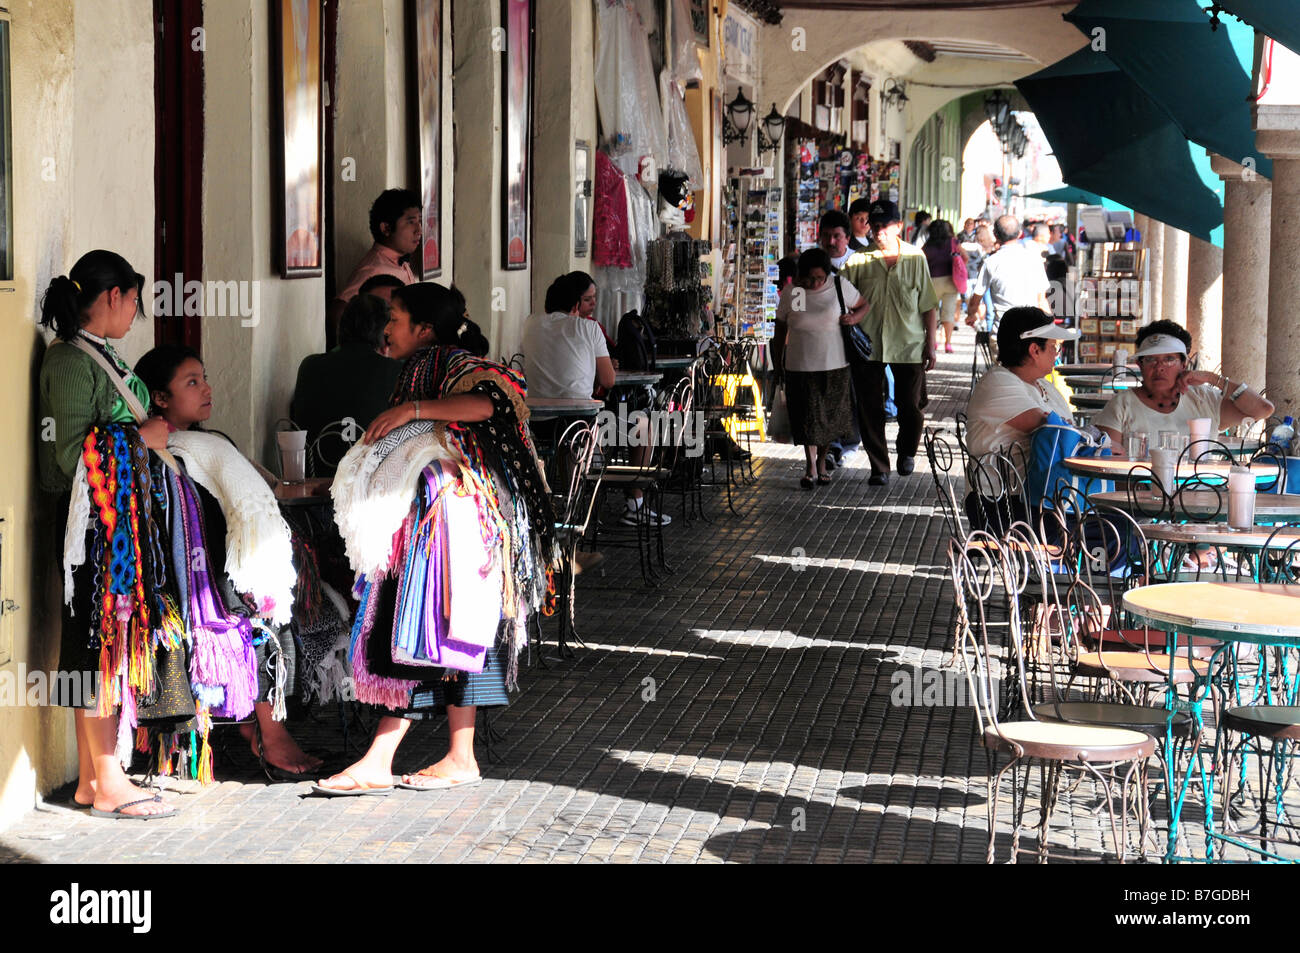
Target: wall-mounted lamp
column 736, row 120
column 770, row 131
column 893, row 93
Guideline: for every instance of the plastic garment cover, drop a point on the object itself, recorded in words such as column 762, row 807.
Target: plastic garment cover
column 625, row 88
column 610, row 228
column 683, row 154
column 686, row 57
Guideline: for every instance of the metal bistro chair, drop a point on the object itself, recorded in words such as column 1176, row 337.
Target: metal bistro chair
column 1107, row 755
column 573, row 508
column 946, row 469
column 1269, row 730
column 649, row 479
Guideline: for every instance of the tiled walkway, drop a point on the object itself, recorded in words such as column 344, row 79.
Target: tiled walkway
column 741, row 712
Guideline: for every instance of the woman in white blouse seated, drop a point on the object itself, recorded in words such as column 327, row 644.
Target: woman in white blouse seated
column 1011, row 401
column 1171, row 395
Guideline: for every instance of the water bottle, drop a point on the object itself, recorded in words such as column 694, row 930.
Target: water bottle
column 1281, row 436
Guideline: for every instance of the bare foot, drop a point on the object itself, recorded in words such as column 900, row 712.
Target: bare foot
column 279, row 748
column 363, row 774
column 454, row 770
column 110, row 796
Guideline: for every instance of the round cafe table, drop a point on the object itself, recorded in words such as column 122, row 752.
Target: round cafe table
column 1118, row 469
column 1090, row 369
column 1092, row 401
column 1232, row 612
column 1221, row 535
column 674, row 363
column 543, row 407
column 1202, row 504
column 1095, row 383
column 630, row 378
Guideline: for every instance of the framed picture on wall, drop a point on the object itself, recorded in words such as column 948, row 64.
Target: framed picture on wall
column 581, row 194
column 517, row 16
column 296, row 134
column 700, row 21
column 425, row 18
column 6, row 161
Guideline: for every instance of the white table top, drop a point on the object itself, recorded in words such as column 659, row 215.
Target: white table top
column 1221, row 534
column 1118, row 468
column 1092, row 401
column 565, row 405
column 1202, row 504
column 1090, row 369
column 1235, row 611
column 674, row 361
column 636, row 377
column 1095, row 382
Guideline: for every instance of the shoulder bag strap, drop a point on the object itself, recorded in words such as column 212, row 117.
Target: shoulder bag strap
column 839, row 293
column 132, row 402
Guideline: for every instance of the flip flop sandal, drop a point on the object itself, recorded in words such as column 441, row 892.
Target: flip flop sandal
column 116, row 813
column 436, row 783
column 806, row 482
column 823, row 481
column 361, row 790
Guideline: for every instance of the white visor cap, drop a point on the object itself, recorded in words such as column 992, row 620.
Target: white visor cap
column 1161, row 344
column 1053, row 331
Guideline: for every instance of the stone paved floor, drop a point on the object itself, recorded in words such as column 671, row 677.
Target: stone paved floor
column 741, row 712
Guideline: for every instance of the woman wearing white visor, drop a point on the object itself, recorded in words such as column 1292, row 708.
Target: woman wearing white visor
column 1171, row 395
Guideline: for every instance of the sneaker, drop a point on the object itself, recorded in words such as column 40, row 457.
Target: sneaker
column 630, row 517
column 879, row 479
column 906, row 465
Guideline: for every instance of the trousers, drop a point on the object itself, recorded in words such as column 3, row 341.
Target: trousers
column 909, row 395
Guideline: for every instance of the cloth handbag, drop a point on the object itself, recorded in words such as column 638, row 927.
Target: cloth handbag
column 778, row 426
column 1053, row 442
column 959, row 275
column 857, row 346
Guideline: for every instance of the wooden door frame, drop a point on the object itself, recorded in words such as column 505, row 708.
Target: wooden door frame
column 178, row 160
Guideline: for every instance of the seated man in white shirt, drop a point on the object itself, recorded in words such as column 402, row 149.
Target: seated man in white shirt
column 565, row 355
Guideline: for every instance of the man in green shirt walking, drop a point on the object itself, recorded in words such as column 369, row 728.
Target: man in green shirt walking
column 894, row 278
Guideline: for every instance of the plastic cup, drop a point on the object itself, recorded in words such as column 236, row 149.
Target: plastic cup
column 293, row 455
column 1198, row 433
column 1241, row 498
column 1164, row 464
column 1135, row 446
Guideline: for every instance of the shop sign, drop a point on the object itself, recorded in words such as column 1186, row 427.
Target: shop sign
column 740, row 46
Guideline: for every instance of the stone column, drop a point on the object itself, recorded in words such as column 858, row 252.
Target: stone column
column 1205, row 301
column 1173, row 276
column 1246, row 199
column 1153, row 239
column 1278, row 137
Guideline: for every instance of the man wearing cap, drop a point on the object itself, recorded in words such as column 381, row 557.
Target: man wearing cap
column 894, row 278
column 1012, row 399
column 859, row 220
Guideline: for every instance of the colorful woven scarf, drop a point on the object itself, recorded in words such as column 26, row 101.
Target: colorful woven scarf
column 223, row 663
column 123, row 572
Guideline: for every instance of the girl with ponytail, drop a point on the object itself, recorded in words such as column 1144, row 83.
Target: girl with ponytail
column 94, row 454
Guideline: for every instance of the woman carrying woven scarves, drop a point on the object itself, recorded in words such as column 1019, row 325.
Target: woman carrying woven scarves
column 95, row 438
column 234, row 501
column 446, row 521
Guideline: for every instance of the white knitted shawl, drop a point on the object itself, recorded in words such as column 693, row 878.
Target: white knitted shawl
column 74, row 538
column 373, row 488
column 259, row 550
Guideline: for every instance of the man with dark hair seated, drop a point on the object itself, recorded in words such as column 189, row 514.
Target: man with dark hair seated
column 381, row 286
column 349, row 385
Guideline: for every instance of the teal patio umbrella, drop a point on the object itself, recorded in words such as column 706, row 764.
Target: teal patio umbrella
column 1199, row 75
column 1068, row 193
column 1279, row 19
column 1110, row 138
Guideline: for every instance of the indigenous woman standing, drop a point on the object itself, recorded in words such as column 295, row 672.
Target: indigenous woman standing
column 112, row 568
column 445, row 517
